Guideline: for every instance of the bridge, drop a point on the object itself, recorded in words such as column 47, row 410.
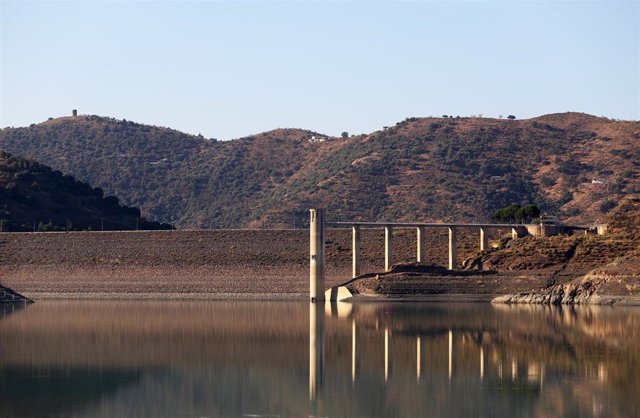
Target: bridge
column 317, row 227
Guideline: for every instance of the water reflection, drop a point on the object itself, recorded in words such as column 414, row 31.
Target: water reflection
column 7, row 309
column 316, row 348
column 104, row 359
column 505, row 354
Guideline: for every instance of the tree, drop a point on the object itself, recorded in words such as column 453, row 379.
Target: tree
column 516, row 213
column 527, row 213
column 507, row 214
column 511, row 117
column 345, row 134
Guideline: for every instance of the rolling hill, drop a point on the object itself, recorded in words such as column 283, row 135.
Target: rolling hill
column 33, row 196
column 420, row 169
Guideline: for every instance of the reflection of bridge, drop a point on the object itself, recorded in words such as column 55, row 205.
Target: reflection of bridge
column 9, row 308
column 459, row 344
column 317, row 227
column 9, row 297
column 234, row 358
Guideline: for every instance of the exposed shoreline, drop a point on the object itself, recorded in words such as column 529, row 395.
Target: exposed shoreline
column 172, row 296
column 614, row 284
column 303, row 297
column 463, row 298
column 273, row 265
column 239, row 264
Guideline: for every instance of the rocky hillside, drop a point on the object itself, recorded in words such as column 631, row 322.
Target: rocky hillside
column 422, row 168
column 583, row 269
column 34, row 196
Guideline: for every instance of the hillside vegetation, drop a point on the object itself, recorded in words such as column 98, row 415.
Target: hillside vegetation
column 420, row 169
column 34, row 196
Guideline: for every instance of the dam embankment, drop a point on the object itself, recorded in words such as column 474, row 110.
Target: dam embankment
column 194, row 264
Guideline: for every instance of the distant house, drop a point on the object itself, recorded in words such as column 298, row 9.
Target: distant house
column 598, row 181
column 317, row 139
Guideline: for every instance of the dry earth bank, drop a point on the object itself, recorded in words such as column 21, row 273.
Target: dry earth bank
column 193, row 264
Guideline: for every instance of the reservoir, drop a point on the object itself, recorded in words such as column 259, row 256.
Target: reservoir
column 295, row 359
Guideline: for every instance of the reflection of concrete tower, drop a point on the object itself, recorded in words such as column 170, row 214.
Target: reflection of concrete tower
column 452, row 355
column 74, row 112
column 316, row 348
column 387, row 354
column 419, row 357
column 355, row 365
column 481, row 362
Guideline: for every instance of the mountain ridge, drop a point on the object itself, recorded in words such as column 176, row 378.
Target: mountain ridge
column 572, row 163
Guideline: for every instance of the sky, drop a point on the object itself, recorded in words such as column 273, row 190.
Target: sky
column 231, row 69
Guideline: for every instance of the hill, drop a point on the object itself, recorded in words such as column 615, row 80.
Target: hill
column 421, row 168
column 34, row 196
column 612, row 262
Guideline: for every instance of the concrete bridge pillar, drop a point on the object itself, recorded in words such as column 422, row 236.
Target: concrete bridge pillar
column 355, row 245
column 420, row 244
column 519, row 231
column 388, row 247
column 452, row 248
column 484, row 240
column 316, row 255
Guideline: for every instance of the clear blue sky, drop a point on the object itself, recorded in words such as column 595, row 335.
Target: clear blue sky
column 229, row 69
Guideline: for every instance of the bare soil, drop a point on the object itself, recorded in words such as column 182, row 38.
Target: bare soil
column 411, row 280
column 273, row 264
column 194, row 264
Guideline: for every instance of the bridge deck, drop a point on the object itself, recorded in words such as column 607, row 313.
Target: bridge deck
column 436, row 225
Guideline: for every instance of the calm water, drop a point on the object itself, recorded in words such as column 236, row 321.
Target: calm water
column 249, row 359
